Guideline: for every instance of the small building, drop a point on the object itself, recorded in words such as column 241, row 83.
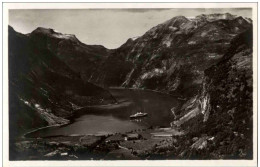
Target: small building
column 132, row 136
column 163, row 135
column 114, row 138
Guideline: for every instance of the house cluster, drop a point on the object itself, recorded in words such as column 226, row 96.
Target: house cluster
column 123, row 137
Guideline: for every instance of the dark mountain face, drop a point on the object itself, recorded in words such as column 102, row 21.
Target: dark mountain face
column 43, row 89
column 81, row 58
column 171, row 56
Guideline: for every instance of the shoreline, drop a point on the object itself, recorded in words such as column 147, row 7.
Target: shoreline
column 102, row 106
column 49, row 126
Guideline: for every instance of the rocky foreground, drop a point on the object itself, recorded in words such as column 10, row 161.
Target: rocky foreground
column 138, row 144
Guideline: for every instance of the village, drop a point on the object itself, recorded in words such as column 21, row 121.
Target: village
column 131, row 145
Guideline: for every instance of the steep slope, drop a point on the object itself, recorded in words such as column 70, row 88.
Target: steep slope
column 171, row 56
column 219, row 120
column 43, row 90
column 80, row 57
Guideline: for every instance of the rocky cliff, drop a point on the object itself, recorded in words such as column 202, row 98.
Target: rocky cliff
column 219, row 119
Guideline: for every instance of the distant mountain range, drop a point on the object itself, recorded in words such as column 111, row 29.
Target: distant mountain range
column 170, row 57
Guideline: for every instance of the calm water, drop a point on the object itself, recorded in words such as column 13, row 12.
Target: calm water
column 115, row 118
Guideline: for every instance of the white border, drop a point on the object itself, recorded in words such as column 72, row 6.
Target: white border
column 7, row 6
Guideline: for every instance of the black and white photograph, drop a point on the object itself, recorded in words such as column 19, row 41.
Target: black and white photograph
column 131, row 83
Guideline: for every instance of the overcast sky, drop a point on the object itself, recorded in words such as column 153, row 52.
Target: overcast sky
column 108, row 27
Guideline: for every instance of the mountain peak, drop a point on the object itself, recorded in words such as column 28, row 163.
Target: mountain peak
column 180, row 18
column 177, row 20
column 242, row 20
column 53, row 33
column 216, row 16
column 43, row 30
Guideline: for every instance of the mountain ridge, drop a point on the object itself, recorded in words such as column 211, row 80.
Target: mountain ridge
column 200, row 45
column 44, row 88
column 153, row 60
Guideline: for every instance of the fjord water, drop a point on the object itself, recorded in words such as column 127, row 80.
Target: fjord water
column 114, row 118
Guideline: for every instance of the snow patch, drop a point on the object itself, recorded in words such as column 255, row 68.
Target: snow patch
column 155, row 36
column 191, row 42
column 167, row 41
column 240, row 21
column 203, row 34
column 25, row 102
column 190, row 17
column 173, row 28
column 134, row 38
column 247, row 19
column 138, row 55
column 56, row 31
column 236, row 29
column 64, row 36
column 211, row 138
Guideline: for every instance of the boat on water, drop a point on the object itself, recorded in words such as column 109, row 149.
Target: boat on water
column 138, row 114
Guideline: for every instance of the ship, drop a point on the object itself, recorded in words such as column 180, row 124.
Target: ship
column 138, row 114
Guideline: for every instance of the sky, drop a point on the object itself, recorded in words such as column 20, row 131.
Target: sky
column 108, row 27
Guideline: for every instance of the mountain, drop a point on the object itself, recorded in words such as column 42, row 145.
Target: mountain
column 219, row 118
column 172, row 56
column 81, row 58
column 43, row 90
